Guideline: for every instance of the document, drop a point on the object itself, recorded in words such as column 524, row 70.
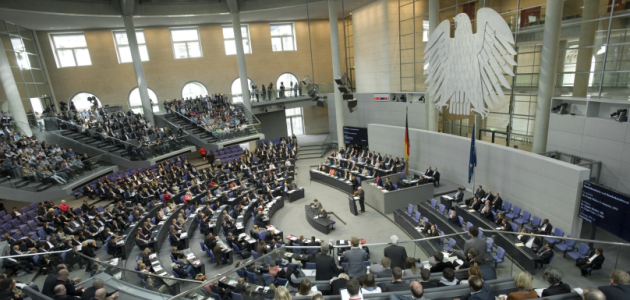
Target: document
column 519, row 244
column 471, row 210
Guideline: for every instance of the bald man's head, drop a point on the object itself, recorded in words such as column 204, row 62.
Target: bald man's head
column 416, row 289
column 100, row 294
column 593, row 294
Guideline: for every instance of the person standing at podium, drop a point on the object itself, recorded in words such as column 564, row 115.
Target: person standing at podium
column 361, row 195
column 316, row 205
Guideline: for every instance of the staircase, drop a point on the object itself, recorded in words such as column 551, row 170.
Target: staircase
column 315, row 146
column 202, row 138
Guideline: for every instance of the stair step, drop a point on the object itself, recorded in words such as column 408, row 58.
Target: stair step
column 305, row 156
column 43, row 187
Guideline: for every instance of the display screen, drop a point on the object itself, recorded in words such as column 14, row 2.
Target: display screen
column 606, row 208
column 355, row 136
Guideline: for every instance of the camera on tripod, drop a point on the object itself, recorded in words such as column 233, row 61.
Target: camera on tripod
column 621, row 115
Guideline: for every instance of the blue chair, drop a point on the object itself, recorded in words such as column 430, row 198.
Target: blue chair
column 409, row 209
column 461, row 221
column 433, row 203
column 267, row 279
column 63, row 256
column 515, row 213
column 236, row 296
column 281, row 282
column 417, row 217
column 35, row 259
column 344, row 264
column 451, row 244
column 582, row 251
column 255, row 254
column 175, row 274
column 489, row 245
column 535, row 223
column 403, row 176
column 499, row 257
column 240, row 274
column 507, row 206
column 468, row 225
column 262, row 235
column 557, row 232
column 395, row 186
column 514, row 227
column 524, row 219
column 441, row 209
column 310, row 266
column 553, row 254
column 569, row 245
column 251, row 277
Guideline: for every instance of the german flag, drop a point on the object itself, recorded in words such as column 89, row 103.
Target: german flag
column 407, row 136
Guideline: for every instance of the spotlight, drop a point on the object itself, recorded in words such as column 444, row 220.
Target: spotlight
column 621, row 115
column 321, row 102
column 561, row 109
column 343, row 84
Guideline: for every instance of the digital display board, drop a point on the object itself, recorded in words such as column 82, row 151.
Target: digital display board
column 355, row 136
column 606, row 208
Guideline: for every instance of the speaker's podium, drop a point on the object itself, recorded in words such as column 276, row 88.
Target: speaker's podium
column 352, row 203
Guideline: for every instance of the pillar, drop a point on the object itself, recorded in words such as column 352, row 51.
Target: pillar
column 240, row 58
column 562, row 57
column 547, row 77
column 13, row 94
column 585, row 55
column 432, row 113
column 147, row 107
column 336, row 62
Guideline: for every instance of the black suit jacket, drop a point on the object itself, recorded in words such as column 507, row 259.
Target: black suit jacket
column 432, row 283
column 439, row 267
column 616, row 292
column 397, row 255
column 561, row 288
column 397, row 286
column 336, row 285
column 497, row 203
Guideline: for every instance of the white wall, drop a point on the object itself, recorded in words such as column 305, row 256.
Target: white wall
column 370, row 111
column 376, row 54
column 543, row 186
column 595, row 138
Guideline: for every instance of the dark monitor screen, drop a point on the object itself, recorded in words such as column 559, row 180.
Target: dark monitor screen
column 606, row 208
column 355, row 136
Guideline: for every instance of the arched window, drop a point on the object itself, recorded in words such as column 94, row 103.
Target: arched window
column 237, row 92
column 287, row 79
column 81, row 101
column 194, row 89
column 135, row 103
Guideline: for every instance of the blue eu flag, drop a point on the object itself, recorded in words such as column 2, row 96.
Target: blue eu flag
column 473, row 156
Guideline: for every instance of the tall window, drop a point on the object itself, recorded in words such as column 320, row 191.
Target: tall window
column 286, row 79
column 20, row 53
column 230, row 43
column 186, row 42
column 135, row 103
column 237, row 91
column 283, row 37
column 295, row 121
column 122, row 46
column 193, row 90
column 70, row 50
column 81, row 101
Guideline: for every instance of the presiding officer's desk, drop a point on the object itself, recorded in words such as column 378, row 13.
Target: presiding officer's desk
column 332, row 181
column 523, row 256
column 321, row 224
column 388, row 201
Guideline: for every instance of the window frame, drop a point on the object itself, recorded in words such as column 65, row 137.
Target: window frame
column 249, row 40
column 195, row 82
column 154, row 105
column 85, row 92
column 51, row 37
column 293, row 35
column 117, row 46
column 171, row 29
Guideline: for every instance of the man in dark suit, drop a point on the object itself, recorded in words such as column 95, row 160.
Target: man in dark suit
column 479, row 193
column 386, row 272
column 395, row 253
column 426, row 281
column 497, row 203
column 557, row 287
column 545, row 228
column 429, row 172
column 459, row 196
column 90, row 292
column 544, row 254
column 619, row 288
column 397, row 284
column 325, row 266
column 323, row 214
column 440, row 265
column 479, row 290
column 595, row 258
column 361, row 195
column 436, row 177
column 60, row 293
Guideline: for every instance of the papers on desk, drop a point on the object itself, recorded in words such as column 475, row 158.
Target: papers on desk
column 578, row 290
column 161, row 222
column 519, row 245
column 232, row 282
column 183, row 235
column 152, row 256
column 316, row 217
column 357, row 198
column 342, row 242
column 114, row 261
column 448, row 197
column 385, row 191
column 471, row 210
column 157, row 268
column 539, row 292
column 155, row 262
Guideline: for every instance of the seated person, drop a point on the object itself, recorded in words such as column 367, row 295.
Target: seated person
column 523, row 282
column 396, row 285
column 544, row 254
column 448, row 278
column 557, row 287
column 595, row 258
column 453, row 218
column 619, row 286
column 440, row 265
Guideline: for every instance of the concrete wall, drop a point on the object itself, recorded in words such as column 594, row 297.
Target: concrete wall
column 376, row 47
column 543, row 186
column 370, row 111
column 595, row 138
column 315, row 119
column 166, row 76
column 274, row 124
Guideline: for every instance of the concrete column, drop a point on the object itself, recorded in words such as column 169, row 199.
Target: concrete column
column 240, row 57
column 585, row 55
column 562, row 57
column 13, row 94
column 431, row 111
column 147, row 107
column 336, row 61
column 547, row 77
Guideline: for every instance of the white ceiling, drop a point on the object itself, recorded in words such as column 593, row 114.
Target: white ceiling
column 52, row 21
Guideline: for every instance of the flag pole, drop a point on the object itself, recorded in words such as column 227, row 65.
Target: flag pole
column 474, row 134
column 407, row 163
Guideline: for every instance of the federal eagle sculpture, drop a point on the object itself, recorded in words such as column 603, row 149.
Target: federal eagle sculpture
column 468, row 69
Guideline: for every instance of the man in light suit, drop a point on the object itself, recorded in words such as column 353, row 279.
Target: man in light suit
column 474, row 242
column 355, row 258
column 396, row 254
